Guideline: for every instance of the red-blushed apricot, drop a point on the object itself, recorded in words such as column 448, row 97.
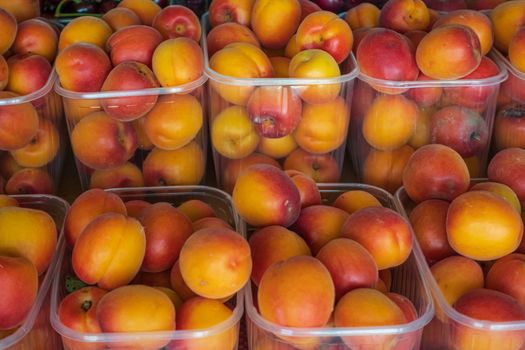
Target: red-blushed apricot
column 435, row 171
column 8, row 28
column 18, row 123
column 178, row 285
column 404, row 15
column 320, row 167
column 277, row 200
column 271, row 244
column 350, row 264
column 500, row 189
column 166, row 230
column 226, row 33
column 137, row 308
column 30, row 181
column 227, row 11
column 352, row 310
column 109, row 251
column 210, row 221
column 507, row 276
column 120, row 17
column 38, row 37
column 319, row 224
column 153, row 279
column 483, row 226
column 383, row 232
column 29, row 233
column 428, row 219
column 296, row 292
column 507, row 166
column 176, row 21
column 233, row 167
column 133, row 43
column 196, row 209
column 125, row 175
column 215, row 262
column 308, row 190
column 488, row 305
column 86, row 207
column 19, row 290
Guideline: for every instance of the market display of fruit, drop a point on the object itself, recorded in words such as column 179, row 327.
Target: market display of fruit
column 32, row 131
column 146, row 264
column 350, row 173
column 30, row 238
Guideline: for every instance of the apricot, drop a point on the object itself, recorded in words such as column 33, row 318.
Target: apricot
column 19, row 290
column 38, row 37
column 517, row 50
column 456, row 276
column 296, row 292
column 134, row 207
column 133, row 43
column 196, row 209
column 226, row 33
column 231, row 168
column 232, row 133
column 166, row 229
column 459, row 57
column 281, row 66
column 500, row 189
column 178, row 285
column 120, row 17
column 404, row 15
column 82, row 67
column 177, row 61
column 7, row 201
column 277, row 200
column 351, row 311
column 30, row 181
column 322, row 135
column 383, row 232
column 364, row 15
column 475, row 20
column 428, row 219
column 239, row 60
column 226, row 11
column 210, row 222
column 425, row 96
column 8, row 28
column 506, row 19
column 271, row 244
column 137, row 308
column 506, row 275
column 308, row 190
column 4, row 73
column 506, row 166
column 115, row 143
column 435, row 171
column 320, row 167
column 145, row 9
column 29, row 233
column 215, row 262
column 315, row 64
column 390, row 122
column 292, row 47
column 201, row 313
column 483, row 226
column 353, row 200
column 385, row 168
column 277, row 147
column 18, row 123
column 125, row 175
column 27, row 73
column 183, row 166
column 176, row 21
column 85, row 29
column 274, row 22
column 102, row 256
column 174, row 121
column 319, row 224
column 493, row 306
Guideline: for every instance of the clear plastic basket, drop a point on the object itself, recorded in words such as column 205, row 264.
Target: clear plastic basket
column 221, row 202
column 446, row 328
column 311, row 138
column 147, row 165
column 391, row 119
column 36, row 331
column 407, row 280
column 36, row 168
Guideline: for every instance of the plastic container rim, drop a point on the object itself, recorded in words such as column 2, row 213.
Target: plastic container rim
column 440, row 299
column 42, row 92
column 493, row 80
column 225, row 79
column 415, row 325
column 513, row 70
column 50, row 273
column 116, row 337
column 184, row 88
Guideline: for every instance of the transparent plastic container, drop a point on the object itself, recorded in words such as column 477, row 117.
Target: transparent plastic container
column 509, row 125
column 175, row 340
column 306, row 136
column 129, row 157
column 450, row 329
column 407, row 279
column 36, row 331
column 36, row 166
column 391, row 119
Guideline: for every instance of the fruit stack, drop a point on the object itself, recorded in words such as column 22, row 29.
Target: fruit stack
column 470, row 247
column 424, row 78
column 151, row 267
column 30, row 239
column 154, row 135
column 509, row 39
column 32, row 134
column 323, row 258
column 280, row 87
